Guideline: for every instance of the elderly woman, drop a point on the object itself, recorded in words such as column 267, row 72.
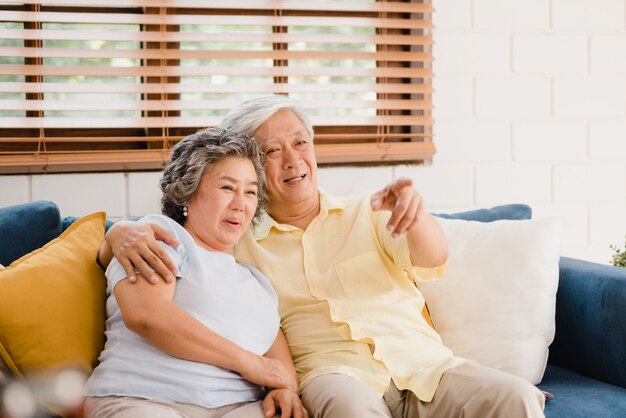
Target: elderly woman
column 209, row 343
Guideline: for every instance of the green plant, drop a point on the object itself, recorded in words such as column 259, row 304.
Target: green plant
column 619, row 256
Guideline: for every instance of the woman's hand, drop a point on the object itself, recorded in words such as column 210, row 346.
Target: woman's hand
column 287, row 401
column 269, row 372
column 135, row 246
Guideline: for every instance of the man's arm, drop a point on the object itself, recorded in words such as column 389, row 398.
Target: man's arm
column 427, row 243
column 148, row 311
column 135, row 246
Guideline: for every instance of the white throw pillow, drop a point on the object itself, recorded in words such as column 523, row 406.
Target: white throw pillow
column 496, row 302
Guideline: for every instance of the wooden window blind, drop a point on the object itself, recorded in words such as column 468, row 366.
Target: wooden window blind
column 112, row 85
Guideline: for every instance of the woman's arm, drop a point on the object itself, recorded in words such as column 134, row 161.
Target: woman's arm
column 149, row 311
column 280, row 351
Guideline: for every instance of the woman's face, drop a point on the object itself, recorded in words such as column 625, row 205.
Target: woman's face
column 222, row 208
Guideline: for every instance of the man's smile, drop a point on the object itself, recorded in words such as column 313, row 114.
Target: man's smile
column 294, row 179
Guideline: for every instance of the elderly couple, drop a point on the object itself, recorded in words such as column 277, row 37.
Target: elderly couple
column 335, row 291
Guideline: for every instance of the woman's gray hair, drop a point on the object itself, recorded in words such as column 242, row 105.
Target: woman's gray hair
column 248, row 116
column 193, row 155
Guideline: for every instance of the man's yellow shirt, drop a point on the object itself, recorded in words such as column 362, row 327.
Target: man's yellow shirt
column 348, row 297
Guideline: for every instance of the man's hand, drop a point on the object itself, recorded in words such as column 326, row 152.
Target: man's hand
column 269, row 372
column 287, row 401
column 404, row 202
column 135, row 246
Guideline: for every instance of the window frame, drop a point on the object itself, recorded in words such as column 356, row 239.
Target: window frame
column 67, row 149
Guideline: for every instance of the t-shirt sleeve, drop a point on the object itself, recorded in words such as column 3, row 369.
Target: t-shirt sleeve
column 115, row 272
column 398, row 251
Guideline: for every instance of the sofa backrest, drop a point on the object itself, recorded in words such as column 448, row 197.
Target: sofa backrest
column 26, row 227
column 513, row 212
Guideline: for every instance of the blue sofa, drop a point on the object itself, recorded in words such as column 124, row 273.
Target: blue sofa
column 587, row 365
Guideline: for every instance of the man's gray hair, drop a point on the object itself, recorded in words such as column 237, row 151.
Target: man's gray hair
column 248, row 116
column 193, row 155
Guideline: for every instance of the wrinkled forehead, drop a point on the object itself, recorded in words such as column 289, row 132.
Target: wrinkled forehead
column 283, row 138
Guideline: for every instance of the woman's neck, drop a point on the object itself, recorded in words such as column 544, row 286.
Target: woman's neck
column 200, row 242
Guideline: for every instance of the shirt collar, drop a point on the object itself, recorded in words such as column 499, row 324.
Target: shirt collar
column 327, row 204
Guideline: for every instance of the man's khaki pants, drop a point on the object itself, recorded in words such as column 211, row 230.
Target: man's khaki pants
column 468, row 391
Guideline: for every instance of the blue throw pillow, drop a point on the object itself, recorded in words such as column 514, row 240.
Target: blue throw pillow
column 26, row 227
column 513, row 212
column 69, row 220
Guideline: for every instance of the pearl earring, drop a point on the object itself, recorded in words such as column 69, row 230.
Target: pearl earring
column 185, row 211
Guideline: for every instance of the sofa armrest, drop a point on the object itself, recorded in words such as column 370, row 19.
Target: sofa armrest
column 591, row 321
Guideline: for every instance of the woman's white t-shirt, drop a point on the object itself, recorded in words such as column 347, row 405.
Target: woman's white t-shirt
column 234, row 300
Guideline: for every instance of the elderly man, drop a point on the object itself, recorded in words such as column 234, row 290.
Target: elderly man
column 346, row 272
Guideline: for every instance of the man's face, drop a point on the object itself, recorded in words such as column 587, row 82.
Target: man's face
column 290, row 164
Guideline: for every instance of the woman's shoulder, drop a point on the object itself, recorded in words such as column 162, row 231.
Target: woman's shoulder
column 168, row 223
column 171, row 226
column 158, row 219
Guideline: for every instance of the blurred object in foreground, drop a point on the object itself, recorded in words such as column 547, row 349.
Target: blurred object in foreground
column 37, row 395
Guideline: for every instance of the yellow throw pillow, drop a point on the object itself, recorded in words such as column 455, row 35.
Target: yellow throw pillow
column 52, row 303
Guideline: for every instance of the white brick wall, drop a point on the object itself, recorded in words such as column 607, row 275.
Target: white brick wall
column 506, row 15
column 345, row 181
column 15, row 190
column 455, row 97
column 607, row 224
column 542, row 54
column 474, row 54
column 144, row 194
column 608, row 54
column 607, row 140
column 453, row 14
column 513, row 97
column 463, row 140
column 79, row 195
column 512, row 183
column 587, row 15
column 549, row 127
column 530, row 106
column 589, row 182
column 450, row 185
column 597, row 97
column 550, row 141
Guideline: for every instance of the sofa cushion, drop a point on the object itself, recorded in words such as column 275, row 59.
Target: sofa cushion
column 577, row 396
column 69, row 220
column 52, row 310
column 26, row 227
column 512, row 212
column 495, row 303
